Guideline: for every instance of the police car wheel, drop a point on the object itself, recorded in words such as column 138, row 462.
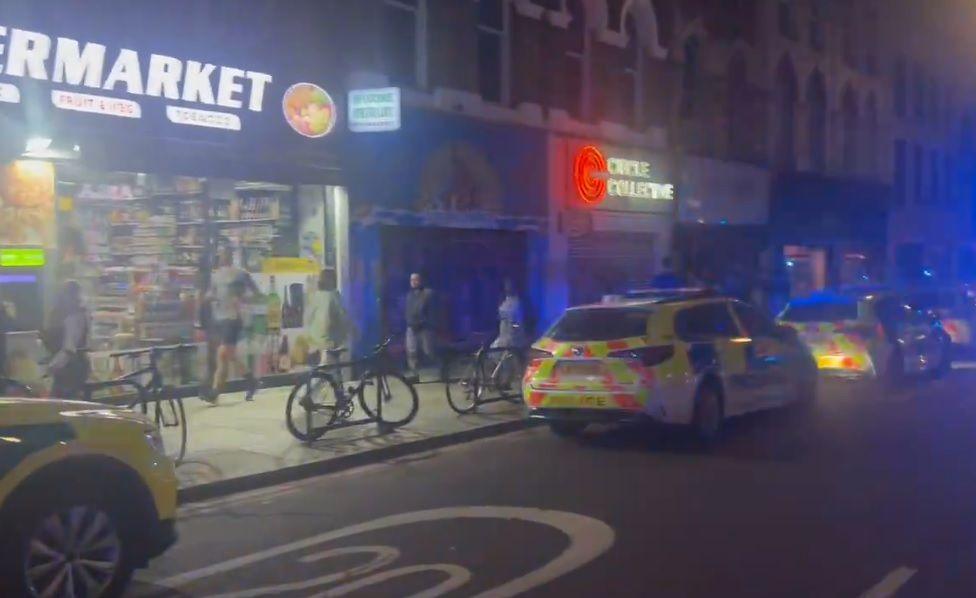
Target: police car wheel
column 709, row 414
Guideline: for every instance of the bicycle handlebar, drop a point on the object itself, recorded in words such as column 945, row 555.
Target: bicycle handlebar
column 153, row 350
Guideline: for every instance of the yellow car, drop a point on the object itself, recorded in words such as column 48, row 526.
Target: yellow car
column 871, row 334
column 674, row 360
column 86, row 496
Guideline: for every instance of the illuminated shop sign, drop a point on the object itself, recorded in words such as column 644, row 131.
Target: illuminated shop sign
column 87, row 76
column 597, row 177
column 22, row 257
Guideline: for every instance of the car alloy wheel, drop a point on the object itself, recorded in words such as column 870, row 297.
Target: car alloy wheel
column 73, row 552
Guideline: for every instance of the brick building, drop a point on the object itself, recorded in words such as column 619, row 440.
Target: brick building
column 853, row 120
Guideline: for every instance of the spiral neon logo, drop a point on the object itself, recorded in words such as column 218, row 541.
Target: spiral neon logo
column 589, row 164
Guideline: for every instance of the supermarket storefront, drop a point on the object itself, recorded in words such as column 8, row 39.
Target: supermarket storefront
column 130, row 153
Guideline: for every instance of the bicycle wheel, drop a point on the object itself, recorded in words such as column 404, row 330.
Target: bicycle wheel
column 397, row 396
column 462, row 384
column 170, row 419
column 501, row 374
column 312, row 407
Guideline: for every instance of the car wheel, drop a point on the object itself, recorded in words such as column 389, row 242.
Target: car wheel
column 72, row 544
column 567, row 429
column 709, row 414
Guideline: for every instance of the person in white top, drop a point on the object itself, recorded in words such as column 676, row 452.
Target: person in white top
column 511, row 333
column 326, row 320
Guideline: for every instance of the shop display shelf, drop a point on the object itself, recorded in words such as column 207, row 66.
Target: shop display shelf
column 245, row 222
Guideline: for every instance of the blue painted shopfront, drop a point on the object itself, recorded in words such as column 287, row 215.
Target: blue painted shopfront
column 460, row 200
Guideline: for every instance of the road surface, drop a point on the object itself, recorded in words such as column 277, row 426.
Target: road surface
column 871, row 494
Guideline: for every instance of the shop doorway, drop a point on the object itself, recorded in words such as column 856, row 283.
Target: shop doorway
column 466, row 269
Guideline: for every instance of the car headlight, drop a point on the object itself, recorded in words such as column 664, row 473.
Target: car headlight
column 155, row 441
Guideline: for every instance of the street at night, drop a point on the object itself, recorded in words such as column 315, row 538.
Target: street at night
column 868, row 492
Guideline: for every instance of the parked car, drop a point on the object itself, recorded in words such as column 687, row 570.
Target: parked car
column 674, row 360
column 87, row 495
column 869, row 335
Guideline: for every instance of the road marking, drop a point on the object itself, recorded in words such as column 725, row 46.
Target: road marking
column 964, row 365
column 891, row 583
column 588, row 539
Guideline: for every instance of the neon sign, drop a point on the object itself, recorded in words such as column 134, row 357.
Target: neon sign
column 597, row 177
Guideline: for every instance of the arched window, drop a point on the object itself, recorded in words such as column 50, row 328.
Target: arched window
column 664, row 15
column 850, row 124
column 737, row 108
column 871, row 144
column 817, row 121
column 570, row 76
column 784, row 110
column 690, row 77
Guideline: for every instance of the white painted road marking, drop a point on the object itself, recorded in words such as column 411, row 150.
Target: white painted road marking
column 964, row 365
column 892, row 582
column 588, row 539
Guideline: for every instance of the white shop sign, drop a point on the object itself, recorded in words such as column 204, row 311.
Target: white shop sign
column 372, row 110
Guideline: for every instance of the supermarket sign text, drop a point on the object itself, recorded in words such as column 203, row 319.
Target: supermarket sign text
column 90, row 66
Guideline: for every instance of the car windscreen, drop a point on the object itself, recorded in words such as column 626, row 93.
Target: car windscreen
column 820, row 311
column 600, row 324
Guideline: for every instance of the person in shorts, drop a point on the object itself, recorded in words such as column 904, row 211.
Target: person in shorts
column 230, row 287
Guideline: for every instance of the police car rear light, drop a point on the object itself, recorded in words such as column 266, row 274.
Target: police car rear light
column 648, row 356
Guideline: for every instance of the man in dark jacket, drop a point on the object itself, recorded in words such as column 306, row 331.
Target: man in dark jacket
column 420, row 322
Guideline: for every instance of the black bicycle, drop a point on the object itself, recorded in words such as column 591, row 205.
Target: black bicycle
column 12, row 388
column 321, row 401
column 486, row 375
column 153, row 398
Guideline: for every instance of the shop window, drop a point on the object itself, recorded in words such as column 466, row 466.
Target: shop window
column 901, row 87
column 871, row 133
column 737, row 109
column 817, row 121
column 817, row 41
column 691, row 78
column 784, row 102
column 493, row 50
column 786, row 19
column 147, row 247
column 628, row 83
column 949, row 184
column 901, row 172
column 851, row 130
column 919, row 174
column 404, row 43
column 920, row 94
column 571, row 80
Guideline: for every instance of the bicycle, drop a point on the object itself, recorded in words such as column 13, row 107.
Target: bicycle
column 488, row 375
column 321, row 401
column 167, row 409
column 12, row 388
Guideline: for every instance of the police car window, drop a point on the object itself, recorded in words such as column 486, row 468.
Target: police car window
column 754, row 322
column 892, row 311
column 600, row 324
column 821, row 311
column 705, row 322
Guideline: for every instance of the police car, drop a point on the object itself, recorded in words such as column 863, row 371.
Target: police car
column 86, row 496
column 870, row 334
column 689, row 359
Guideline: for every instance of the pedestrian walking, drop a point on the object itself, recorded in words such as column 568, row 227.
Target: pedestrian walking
column 326, row 320
column 420, row 323
column 66, row 338
column 230, row 287
column 511, row 332
column 205, row 322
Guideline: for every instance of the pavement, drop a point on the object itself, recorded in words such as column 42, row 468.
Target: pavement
column 239, row 445
column 869, row 494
